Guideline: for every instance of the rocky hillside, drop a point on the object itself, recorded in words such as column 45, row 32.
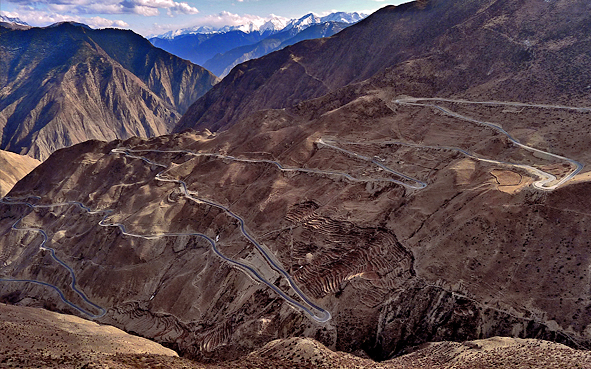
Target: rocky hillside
column 13, row 167
column 507, row 50
column 380, row 216
column 67, row 83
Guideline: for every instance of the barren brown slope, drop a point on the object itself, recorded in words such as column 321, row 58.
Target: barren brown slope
column 490, row 353
column 65, row 84
column 33, row 337
column 478, row 252
column 37, row 338
column 499, row 49
column 59, row 334
column 13, row 167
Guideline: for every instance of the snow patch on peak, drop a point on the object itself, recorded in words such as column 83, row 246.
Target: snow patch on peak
column 274, row 24
column 15, row 20
column 302, row 23
column 344, row 17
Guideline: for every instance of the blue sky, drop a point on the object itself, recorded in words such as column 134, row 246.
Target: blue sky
column 158, row 16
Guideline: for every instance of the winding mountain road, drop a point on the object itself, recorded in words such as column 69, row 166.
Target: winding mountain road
column 281, row 167
column 42, row 246
column 545, row 178
column 417, row 186
column 315, row 312
column 493, row 102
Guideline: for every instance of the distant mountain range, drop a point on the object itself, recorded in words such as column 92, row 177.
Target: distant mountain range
column 67, row 83
column 275, row 24
column 13, row 23
column 5, row 19
column 400, row 48
column 220, row 49
column 222, row 64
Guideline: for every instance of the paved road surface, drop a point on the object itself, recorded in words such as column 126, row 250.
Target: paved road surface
column 545, row 178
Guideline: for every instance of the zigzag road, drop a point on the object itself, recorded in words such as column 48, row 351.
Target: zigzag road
column 494, row 102
column 315, row 312
column 417, row 186
column 42, row 246
column 546, row 178
column 282, row 168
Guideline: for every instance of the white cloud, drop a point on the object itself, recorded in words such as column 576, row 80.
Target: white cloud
column 141, row 7
column 99, row 22
column 151, row 7
column 324, row 13
column 43, row 18
column 226, row 18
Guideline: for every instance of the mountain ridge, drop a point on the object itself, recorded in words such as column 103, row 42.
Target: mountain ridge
column 276, row 24
column 92, row 86
column 222, row 64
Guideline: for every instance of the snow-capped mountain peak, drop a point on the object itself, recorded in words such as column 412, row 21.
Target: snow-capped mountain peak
column 303, row 23
column 14, row 20
column 343, row 17
column 274, row 24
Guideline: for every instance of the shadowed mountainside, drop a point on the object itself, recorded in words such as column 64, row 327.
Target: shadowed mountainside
column 200, row 47
column 67, row 83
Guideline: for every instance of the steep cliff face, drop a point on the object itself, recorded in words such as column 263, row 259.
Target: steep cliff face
column 66, row 84
column 176, row 81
